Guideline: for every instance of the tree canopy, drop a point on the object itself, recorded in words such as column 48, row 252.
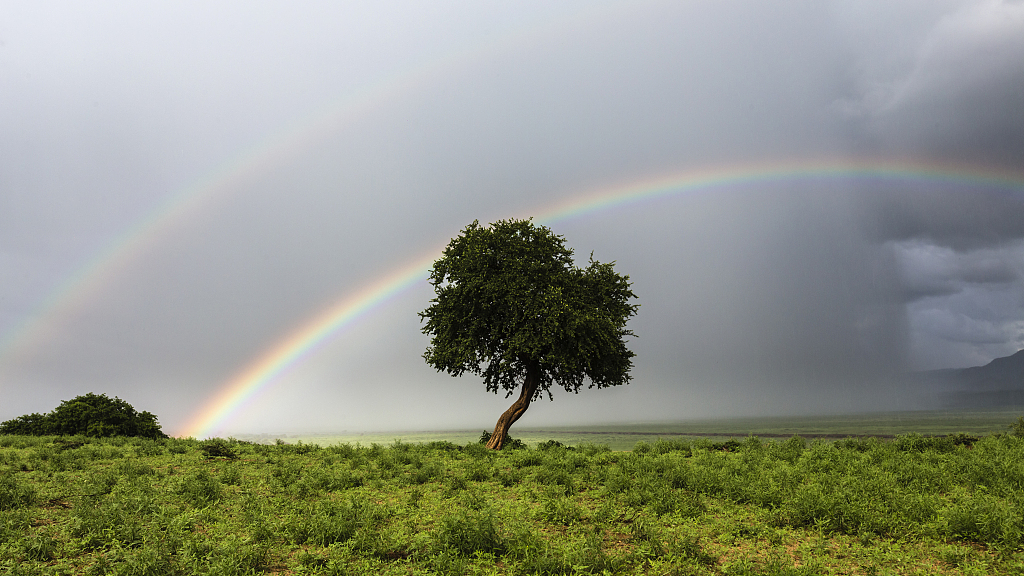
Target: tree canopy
column 512, row 306
column 89, row 415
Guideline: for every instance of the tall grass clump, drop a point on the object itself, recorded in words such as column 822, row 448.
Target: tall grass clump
column 15, row 493
column 327, row 522
column 234, row 557
column 468, row 532
column 557, row 508
column 118, row 517
column 983, row 517
column 200, row 488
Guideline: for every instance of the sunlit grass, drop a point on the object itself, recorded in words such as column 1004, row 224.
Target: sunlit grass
column 914, row 505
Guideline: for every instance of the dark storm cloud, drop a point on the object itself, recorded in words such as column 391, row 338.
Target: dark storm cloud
column 931, row 271
column 968, row 328
column 964, row 305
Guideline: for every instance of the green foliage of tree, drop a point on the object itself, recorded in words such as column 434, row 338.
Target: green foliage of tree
column 90, row 415
column 511, row 306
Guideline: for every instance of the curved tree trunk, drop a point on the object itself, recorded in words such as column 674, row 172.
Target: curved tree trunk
column 517, row 409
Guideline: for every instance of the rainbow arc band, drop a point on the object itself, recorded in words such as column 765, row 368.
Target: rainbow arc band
column 298, row 345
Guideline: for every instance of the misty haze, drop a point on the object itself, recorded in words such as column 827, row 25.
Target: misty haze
column 225, row 213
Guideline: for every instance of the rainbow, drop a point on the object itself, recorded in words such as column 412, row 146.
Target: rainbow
column 231, row 176
column 276, row 149
column 302, row 342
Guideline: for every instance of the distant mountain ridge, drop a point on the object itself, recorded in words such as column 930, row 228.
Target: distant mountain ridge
column 999, row 383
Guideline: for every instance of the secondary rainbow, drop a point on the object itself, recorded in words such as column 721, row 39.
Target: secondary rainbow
column 302, row 342
column 245, row 166
column 276, row 149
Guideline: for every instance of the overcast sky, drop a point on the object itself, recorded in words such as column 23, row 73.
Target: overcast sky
column 184, row 184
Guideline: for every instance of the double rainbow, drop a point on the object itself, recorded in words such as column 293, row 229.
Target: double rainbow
column 303, row 341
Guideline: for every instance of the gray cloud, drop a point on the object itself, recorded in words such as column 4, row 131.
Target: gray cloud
column 930, row 270
column 764, row 297
column 959, row 97
column 966, row 305
column 960, row 216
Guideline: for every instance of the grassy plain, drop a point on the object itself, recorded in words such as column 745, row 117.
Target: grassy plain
column 912, row 505
column 624, row 436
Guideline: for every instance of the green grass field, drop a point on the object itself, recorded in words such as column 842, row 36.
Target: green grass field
column 857, row 506
column 624, row 436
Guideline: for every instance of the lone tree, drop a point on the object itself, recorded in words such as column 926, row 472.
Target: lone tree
column 513, row 307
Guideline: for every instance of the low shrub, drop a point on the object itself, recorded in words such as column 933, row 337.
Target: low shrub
column 941, row 444
column 149, row 447
column 433, row 471
column 587, row 554
column 235, row 557
column 510, row 477
column 689, row 548
column 324, row 523
column 468, row 532
column 557, row 508
column 42, row 548
column 442, row 446
column 217, row 448
column 660, row 498
column 453, row 484
column 285, row 471
column 100, row 483
column 478, row 472
column 91, row 414
column 551, row 474
column 14, row 493
column 200, row 488
column 131, row 469
column 115, row 518
column 550, row 445
column 525, row 458
column 664, row 446
column 981, row 517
